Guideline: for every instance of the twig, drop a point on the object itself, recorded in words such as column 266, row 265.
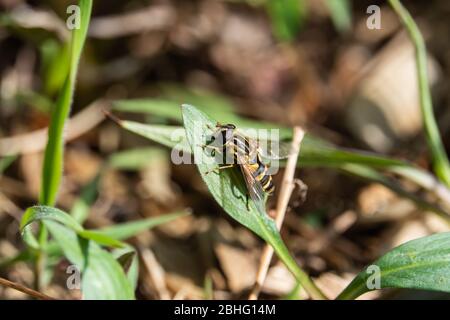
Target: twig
column 156, row 273
column 26, row 290
column 287, row 187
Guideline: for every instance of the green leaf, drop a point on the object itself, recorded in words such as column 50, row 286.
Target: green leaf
column 129, row 229
column 38, row 213
column 129, row 261
column 423, row 264
column 229, row 190
column 102, row 276
column 169, row 136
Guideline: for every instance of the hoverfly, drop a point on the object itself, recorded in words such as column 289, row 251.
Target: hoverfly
column 248, row 154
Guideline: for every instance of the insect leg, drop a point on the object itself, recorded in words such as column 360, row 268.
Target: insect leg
column 217, row 169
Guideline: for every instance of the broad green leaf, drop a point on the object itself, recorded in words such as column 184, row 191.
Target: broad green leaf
column 229, row 190
column 102, row 276
column 129, row 229
column 423, row 264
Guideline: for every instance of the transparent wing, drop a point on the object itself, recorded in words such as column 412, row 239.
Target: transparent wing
column 267, row 148
column 275, row 150
column 254, row 188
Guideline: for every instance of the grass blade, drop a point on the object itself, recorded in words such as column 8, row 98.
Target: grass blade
column 53, row 158
column 130, row 229
column 441, row 163
column 136, row 159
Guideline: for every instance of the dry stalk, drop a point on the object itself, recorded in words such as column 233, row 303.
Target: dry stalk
column 16, row 286
column 287, row 187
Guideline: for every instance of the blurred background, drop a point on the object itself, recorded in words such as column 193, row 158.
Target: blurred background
column 313, row 63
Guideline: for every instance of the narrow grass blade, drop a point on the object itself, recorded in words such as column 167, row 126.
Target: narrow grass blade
column 169, row 136
column 53, row 158
column 136, row 159
column 372, row 175
column 441, row 163
column 418, row 264
column 127, row 230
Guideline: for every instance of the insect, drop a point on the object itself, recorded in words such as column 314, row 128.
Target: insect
column 248, row 154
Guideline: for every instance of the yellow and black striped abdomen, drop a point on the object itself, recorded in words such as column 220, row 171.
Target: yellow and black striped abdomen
column 259, row 171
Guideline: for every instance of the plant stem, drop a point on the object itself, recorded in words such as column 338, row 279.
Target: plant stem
column 441, row 164
column 54, row 151
column 26, row 290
